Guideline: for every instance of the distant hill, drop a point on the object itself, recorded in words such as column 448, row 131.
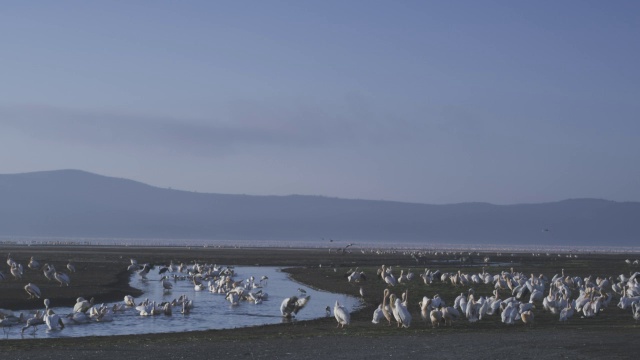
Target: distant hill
column 72, row 203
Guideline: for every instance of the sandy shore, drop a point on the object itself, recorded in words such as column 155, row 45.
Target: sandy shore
column 102, row 274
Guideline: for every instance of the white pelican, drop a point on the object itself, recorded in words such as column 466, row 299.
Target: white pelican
column 129, row 301
column 437, row 301
column 77, row 318
column 33, row 264
column 436, row 317
column 144, row 271
column 197, row 284
column 449, row 314
column 472, row 310
column 400, row 312
column 527, row 317
column 147, row 309
column 567, row 312
column 402, row 278
column 133, row 266
column 48, row 271
column 53, row 321
column 292, row 305
column 62, row 278
column 186, row 309
column 385, row 306
column 82, row 305
column 508, row 313
column 37, row 319
column 341, row 314
column 389, row 279
column 425, row 308
column 17, row 271
column 377, row 315
column 32, row 290
column 626, row 301
column 356, row 276
column 233, row 297
column 635, row 308
column 166, row 285
column 10, row 260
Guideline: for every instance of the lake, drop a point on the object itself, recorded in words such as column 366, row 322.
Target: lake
column 211, row 311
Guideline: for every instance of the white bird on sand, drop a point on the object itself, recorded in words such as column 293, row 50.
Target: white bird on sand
column 17, row 271
column 436, row 318
column 33, row 264
column 33, row 290
column 341, row 314
column 48, row 271
column 62, row 278
column 10, row 260
column 403, row 313
column 378, row 315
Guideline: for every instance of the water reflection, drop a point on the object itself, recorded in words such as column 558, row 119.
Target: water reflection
column 211, row 311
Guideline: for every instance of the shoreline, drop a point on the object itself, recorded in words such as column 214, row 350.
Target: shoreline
column 191, row 244
column 319, row 338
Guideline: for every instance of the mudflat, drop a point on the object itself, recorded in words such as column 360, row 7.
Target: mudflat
column 102, row 274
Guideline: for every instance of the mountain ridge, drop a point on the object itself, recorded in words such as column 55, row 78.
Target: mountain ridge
column 76, row 203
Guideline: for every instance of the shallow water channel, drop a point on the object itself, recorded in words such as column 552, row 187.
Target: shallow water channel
column 211, row 311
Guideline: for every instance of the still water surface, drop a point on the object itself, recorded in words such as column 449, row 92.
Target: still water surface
column 211, row 311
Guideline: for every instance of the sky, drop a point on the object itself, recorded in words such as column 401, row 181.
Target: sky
column 420, row 101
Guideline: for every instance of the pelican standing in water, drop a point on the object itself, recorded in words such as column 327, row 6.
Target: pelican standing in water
column 129, row 301
column 341, row 314
column 292, row 305
column 37, row 319
column 53, row 321
column 166, row 285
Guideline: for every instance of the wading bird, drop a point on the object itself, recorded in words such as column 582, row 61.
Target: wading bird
column 341, row 314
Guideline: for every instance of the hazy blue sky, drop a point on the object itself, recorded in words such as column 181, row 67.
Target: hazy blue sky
column 435, row 102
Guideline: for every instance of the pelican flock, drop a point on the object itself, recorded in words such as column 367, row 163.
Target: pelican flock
column 510, row 296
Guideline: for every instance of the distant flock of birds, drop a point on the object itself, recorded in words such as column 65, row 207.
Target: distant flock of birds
column 562, row 295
